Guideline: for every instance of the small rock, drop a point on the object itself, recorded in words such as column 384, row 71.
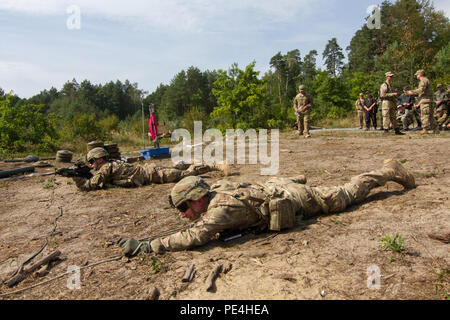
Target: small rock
column 305, row 242
column 153, row 293
column 323, row 293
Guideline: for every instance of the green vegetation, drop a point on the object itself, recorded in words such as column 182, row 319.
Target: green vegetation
column 441, row 286
column 413, row 36
column 394, row 244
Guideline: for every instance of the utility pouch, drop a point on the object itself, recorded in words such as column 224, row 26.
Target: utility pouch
column 282, row 214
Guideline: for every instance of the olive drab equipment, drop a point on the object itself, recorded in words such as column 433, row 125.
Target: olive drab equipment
column 272, row 205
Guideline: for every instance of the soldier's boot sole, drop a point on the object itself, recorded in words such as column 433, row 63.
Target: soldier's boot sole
column 300, row 179
column 400, row 174
column 224, row 168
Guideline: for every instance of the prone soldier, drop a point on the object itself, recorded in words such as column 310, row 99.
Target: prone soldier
column 273, row 205
column 124, row 174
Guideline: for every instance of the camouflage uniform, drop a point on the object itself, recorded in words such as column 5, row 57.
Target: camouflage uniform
column 124, row 174
column 360, row 109
column 238, row 207
column 441, row 116
column 388, row 106
column 425, row 95
column 302, row 105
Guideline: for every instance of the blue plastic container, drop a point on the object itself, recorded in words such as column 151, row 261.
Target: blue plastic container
column 147, row 154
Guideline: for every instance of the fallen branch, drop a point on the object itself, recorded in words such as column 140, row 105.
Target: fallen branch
column 56, row 221
column 25, row 273
column 189, row 274
column 212, row 277
column 58, row 277
column 28, row 260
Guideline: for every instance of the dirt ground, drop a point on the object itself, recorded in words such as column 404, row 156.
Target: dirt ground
column 324, row 258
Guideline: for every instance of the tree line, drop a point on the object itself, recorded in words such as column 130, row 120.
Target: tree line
column 413, row 36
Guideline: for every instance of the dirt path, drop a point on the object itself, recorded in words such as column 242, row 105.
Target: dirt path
column 330, row 254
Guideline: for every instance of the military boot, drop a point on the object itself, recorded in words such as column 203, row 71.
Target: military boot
column 399, row 173
column 399, row 133
column 224, row 168
column 301, row 179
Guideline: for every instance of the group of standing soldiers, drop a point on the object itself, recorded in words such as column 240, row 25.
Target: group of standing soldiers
column 398, row 110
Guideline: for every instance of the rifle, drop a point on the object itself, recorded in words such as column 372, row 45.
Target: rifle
column 79, row 170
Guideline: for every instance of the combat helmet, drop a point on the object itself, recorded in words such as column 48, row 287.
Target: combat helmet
column 189, row 188
column 96, row 153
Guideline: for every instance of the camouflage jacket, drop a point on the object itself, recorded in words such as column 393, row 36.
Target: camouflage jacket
column 424, row 92
column 359, row 104
column 238, row 207
column 386, row 93
column 441, row 96
column 117, row 173
column 303, row 102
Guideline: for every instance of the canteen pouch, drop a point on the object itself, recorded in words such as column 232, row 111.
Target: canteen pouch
column 282, row 214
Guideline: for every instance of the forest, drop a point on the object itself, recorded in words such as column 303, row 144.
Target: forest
column 413, row 36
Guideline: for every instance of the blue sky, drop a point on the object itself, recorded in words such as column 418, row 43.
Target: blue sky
column 149, row 41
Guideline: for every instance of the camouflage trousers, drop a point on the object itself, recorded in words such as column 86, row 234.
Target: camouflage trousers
column 407, row 119
column 389, row 114
column 427, row 116
column 168, row 175
column 303, row 122
column 361, row 118
column 313, row 201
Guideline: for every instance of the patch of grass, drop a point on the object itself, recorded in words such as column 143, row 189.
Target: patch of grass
column 403, row 161
column 394, row 244
column 429, row 175
column 155, row 264
column 441, row 287
column 49, row 186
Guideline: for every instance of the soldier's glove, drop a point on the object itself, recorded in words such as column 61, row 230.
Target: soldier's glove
column 157, row 246
column 131, row 247
column 79, row 181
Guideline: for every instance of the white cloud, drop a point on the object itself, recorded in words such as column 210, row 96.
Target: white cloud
column 172, row 14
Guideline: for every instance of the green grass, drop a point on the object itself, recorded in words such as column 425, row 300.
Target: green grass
column 394, row 244
column 429, row 175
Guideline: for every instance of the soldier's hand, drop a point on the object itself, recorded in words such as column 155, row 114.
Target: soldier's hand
column 131, row 247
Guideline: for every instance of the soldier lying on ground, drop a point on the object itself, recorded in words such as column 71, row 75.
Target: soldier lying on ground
column 273, row 205
column 124, row 174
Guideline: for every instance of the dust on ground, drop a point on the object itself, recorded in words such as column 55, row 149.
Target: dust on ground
column 329, row 254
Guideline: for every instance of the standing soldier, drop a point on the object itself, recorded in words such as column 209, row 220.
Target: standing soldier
column 389, row 104
column 407, row 103
column 425, row 95
column 370, row 106
column 359, row 104
column 302, row 105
